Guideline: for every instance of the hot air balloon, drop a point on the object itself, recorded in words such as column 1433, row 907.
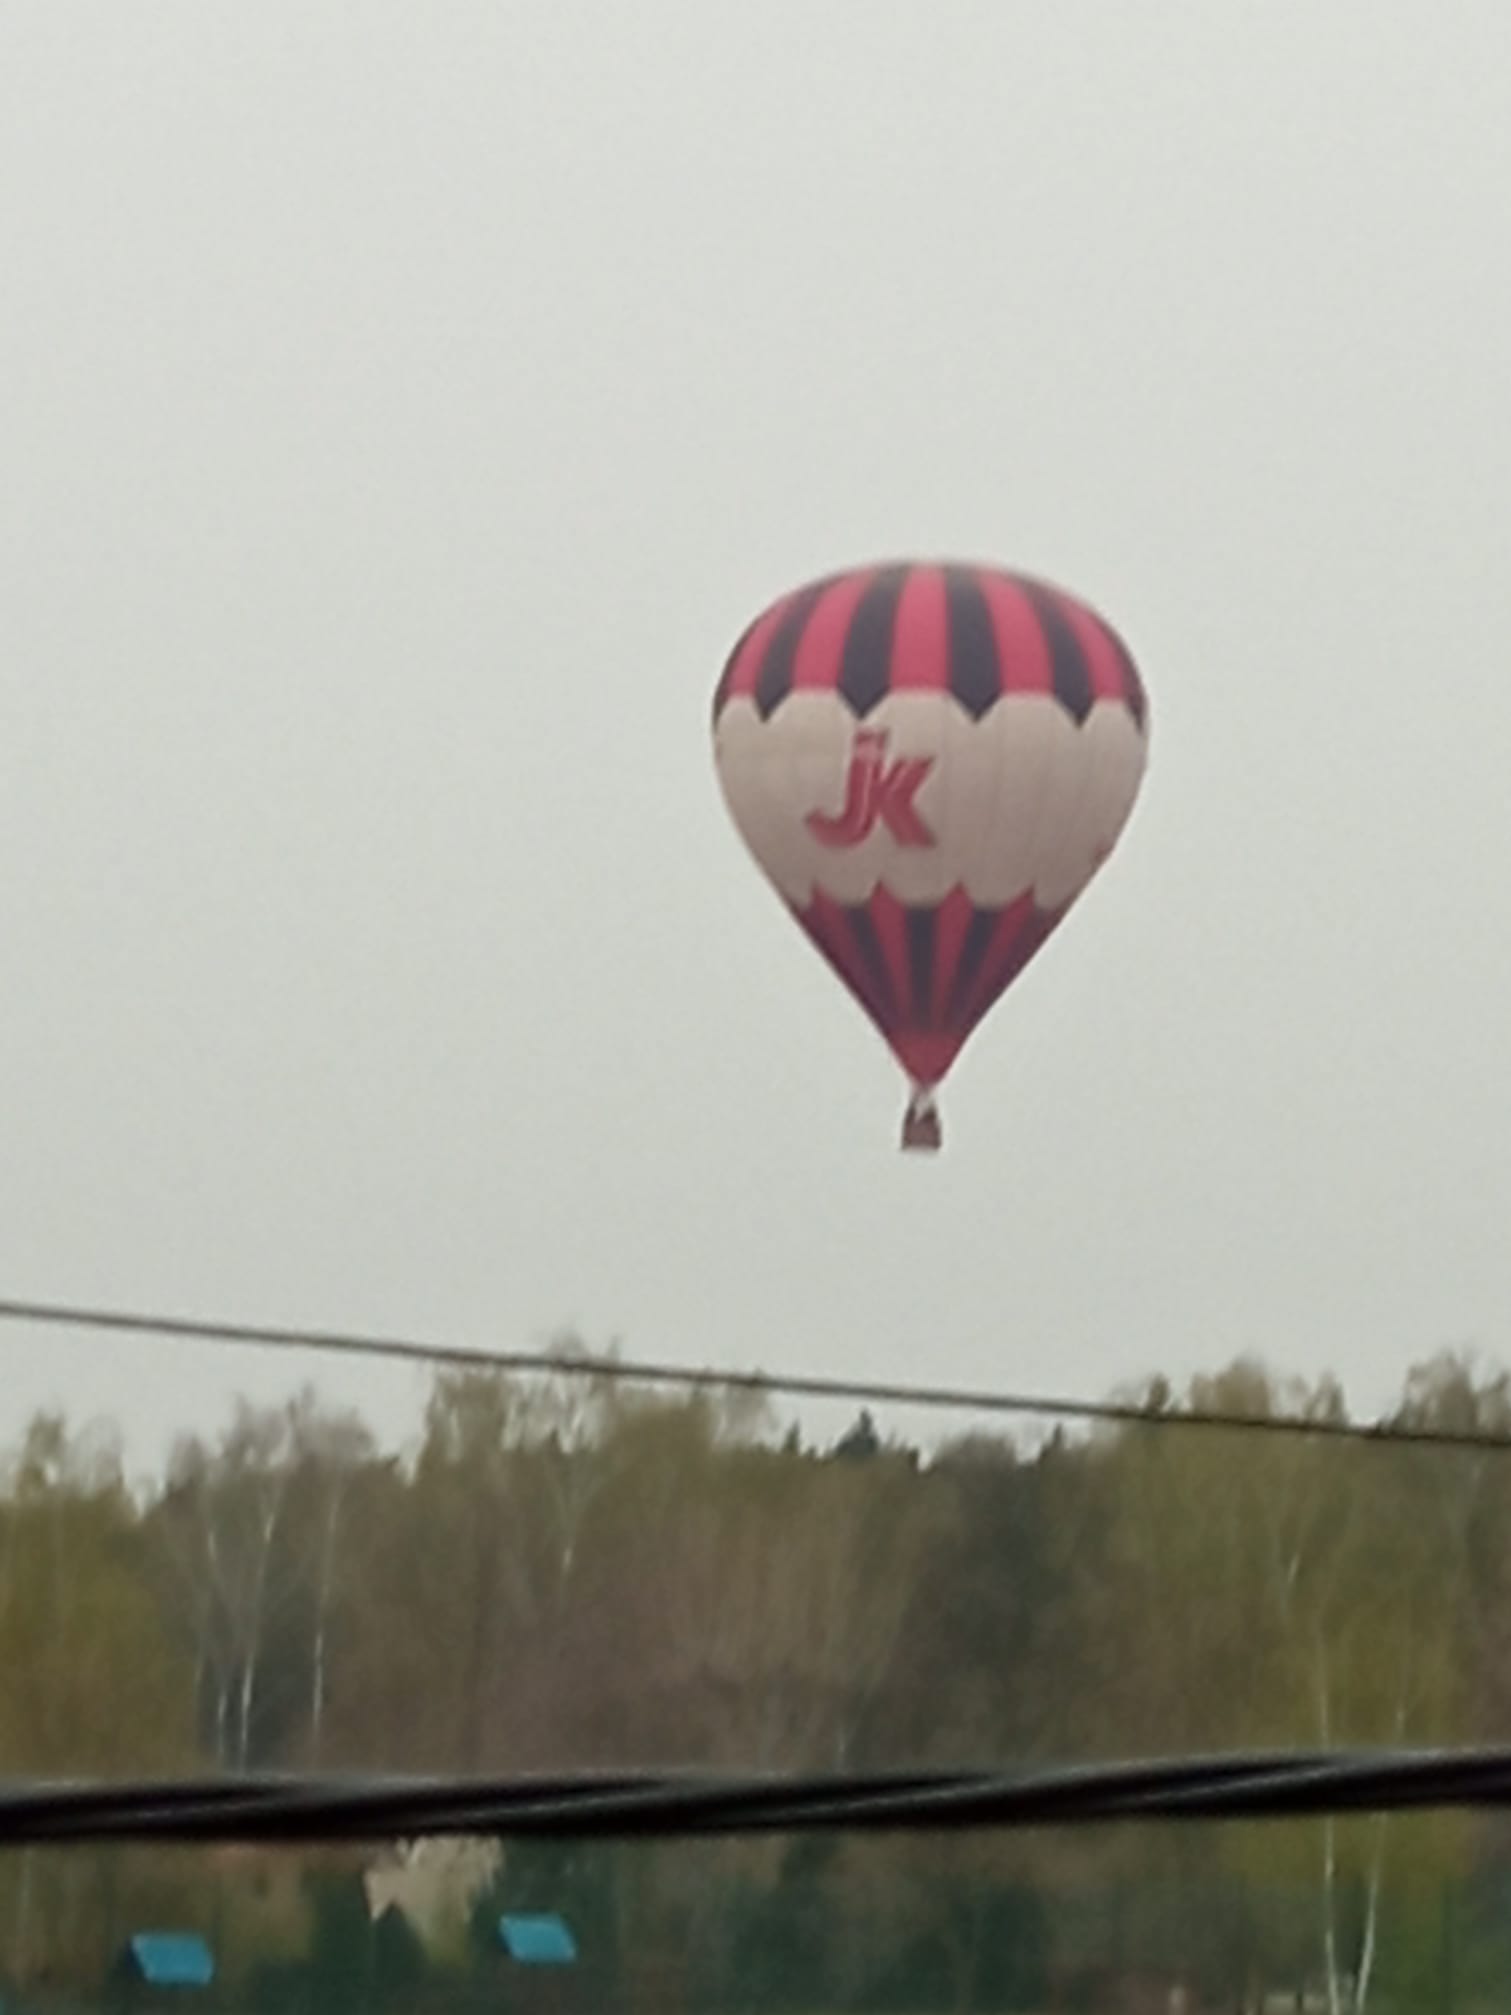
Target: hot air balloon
column 930, row 762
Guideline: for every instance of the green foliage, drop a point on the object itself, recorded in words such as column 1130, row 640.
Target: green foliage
column 572, row 1572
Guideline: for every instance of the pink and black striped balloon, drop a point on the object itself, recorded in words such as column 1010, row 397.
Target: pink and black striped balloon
column 930, row 762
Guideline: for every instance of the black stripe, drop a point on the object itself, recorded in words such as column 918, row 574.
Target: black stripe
column 865, row 671
column 774, row 680
column 1133, row 685
column 1067, row 661
column 973, row 948
column 721, row 690
column 975, row 669
column 868, row 944
column 923, row 926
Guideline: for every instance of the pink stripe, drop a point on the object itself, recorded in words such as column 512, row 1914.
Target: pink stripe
column 1134, row 696
column 925, row 1057
column 829, row 930
column 1021, row 929
column 892, row 934
column 921, row 634
column 821, row 648
column 1102, row 661
column 747, row 665
column 954, row 920
column 1022, row 651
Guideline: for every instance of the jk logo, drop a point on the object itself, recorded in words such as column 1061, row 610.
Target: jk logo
column 876, row 789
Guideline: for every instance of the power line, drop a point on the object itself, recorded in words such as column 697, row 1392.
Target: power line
column 277, row 1809
column 791, row 1385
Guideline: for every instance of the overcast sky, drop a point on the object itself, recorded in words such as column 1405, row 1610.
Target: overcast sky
column 402, row 409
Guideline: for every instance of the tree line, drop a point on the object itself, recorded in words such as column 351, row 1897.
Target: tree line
column 568, row 1572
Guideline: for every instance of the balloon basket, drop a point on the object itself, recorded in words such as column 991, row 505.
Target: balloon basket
column 921, row 1129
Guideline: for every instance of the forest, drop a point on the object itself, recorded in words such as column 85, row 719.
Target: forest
column 571, row 1571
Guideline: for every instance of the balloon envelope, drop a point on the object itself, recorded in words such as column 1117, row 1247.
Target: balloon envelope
column 930, row 762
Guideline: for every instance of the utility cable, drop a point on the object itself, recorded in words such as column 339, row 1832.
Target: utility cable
column 793, row 1385
column 283, row 1810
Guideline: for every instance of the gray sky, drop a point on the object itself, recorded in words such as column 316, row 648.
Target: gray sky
column 402, row 409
